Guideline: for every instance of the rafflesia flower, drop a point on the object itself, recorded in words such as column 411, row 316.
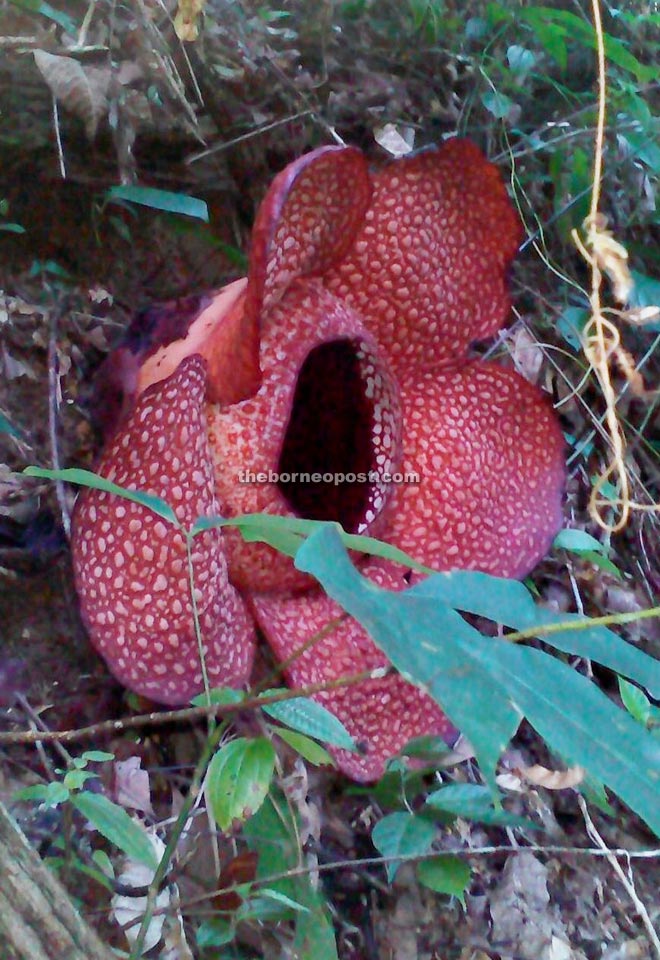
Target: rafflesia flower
column 345, row 351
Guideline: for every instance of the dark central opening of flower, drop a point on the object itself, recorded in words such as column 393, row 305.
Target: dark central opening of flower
column 330, row 434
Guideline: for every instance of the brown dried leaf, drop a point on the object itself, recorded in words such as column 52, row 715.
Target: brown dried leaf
column 611, row 256
column 132, row 785
column 526, row 354
column 553, row 779
column 83, row 91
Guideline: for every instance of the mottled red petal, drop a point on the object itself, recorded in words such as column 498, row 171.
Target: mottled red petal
column 306, row 222
column 345, row 419
column 428, row 269
column 130, row 565
column 382, row 714
column 489, row 453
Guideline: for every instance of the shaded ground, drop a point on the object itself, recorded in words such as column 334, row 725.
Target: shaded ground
column 72, row 280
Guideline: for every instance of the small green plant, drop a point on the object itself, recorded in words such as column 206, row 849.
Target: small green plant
column 107, row 817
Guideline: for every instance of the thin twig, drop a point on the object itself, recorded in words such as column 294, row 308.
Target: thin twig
column 178, row 716
column 627, row 881
column 58, row 139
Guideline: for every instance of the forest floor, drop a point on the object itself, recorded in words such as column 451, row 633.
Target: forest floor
column 216, row 119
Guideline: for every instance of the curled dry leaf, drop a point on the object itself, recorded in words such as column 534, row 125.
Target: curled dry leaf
column 553, row 779
column 611, row 257
column 132, row 785
column 186, row 21
column 83, row 91
column 526, row 354
column 626, row 364
column 397, row 141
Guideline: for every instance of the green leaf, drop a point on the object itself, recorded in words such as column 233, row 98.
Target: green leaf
column 473, row 802
column 7, row 427
column 12, row 228
column 486, row 685
column 509, row 602
column 215, row 932
column 115, row 825
column 238, row 779
column 282, row 899
column 402, row 834
column 61, row 19
column 287, row 534
column 273, row 832
column 219, row 696
column 50, row 794
column 497, row 103
column 571, row 324
column 445, row 874
column 75, row 779
column 635, row 701
column 311, row 718
column 520, row 59
column 97, row 756
column 161, row 200
column 578, row 541
column 85, row 478
column 308, row 749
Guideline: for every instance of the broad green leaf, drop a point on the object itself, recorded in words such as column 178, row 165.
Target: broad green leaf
column 408, row 633
column 402, row 834
column 445, row 874
column 473, row 802
column 12, row 228
column 430, row 643
column 273, row 833
column 161, row 200
column 238, row 779
column 635, row 701
column 314, row 936
column 85, row 478
column 115, row 825
column 578, row 541
column 308, row 749
column 311, row 718
column 509, row 602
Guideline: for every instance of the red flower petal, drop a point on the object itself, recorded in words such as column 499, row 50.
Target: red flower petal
column 131, row 566
column 382, row 714
column 306, row 222
column 490, row 457
column 428, row 268
column 327, row 405
column 228, row 341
